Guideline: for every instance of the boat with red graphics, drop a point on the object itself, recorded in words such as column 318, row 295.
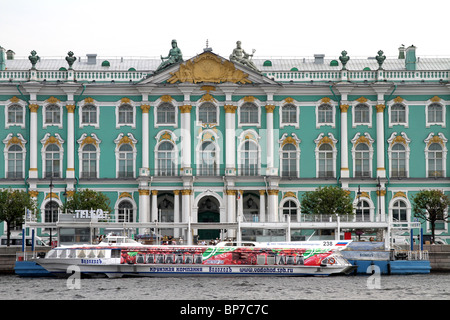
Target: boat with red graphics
column 130, row 258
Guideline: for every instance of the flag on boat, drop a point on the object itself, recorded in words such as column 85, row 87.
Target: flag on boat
column 341, row 243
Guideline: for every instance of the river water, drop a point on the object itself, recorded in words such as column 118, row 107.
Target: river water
column 361, row 287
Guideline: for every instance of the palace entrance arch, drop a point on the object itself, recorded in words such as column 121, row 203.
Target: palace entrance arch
column 208, row 211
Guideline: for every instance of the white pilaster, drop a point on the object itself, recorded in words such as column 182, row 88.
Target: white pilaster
column 70, row 172
column 262, row 205
column 272, row 205
column 230, row 140
column 271, row 170
column 144, row 205
column 185, row 212
column 176, row 212
column 381, row 170
column 33, row 172
column 344, row 142
column 154, row 212
column 186, row 168
column 231, row 211
column 145, row 134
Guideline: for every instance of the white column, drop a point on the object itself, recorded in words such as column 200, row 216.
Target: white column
column 272, row 205
column 33, row 171
column 145, row 132
column 186, row 140
column 271, row 170
column 381, row 170
column 185, row 212
column 231, row 211
column 70, row 172
column 344, row 142
column 230, row 140
column 262, row 205
column 154, row 211
column 144, row 205
column 176, row 212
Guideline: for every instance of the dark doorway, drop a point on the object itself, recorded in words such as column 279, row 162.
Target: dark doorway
column 208, row 211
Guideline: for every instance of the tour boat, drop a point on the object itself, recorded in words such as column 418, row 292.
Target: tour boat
column 117, row 257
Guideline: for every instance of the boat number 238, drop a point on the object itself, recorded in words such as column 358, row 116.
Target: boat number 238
column 327, row 243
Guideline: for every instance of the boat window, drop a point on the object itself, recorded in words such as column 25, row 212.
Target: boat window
column 140, row 258
column 179, row 259
column 159, row 258
column 81, row 254
column 188, row 258
column 290, row 260
column 150, row 258
column 115, row 253
column 248, row 244
column 51, row 254
column 270, row 259
column 198, row 259
column 281, row 259
column 169, row 258
column 90, row 253
column 300, row 260
column 260, row 259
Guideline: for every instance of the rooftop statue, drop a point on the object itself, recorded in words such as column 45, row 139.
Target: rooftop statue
column 34, row 58
column 70, row 59
column 174, row 56
column 240, row 56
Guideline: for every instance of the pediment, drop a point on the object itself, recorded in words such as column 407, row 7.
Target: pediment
column 208, row 67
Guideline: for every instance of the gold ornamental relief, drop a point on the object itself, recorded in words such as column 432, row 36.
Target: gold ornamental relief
column 208, row 68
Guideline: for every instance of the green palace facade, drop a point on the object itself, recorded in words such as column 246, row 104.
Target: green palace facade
column 219, row 140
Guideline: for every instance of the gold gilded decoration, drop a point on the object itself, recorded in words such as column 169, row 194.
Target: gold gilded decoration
column 399, row 194
column 262, row 192
column 166, row 98
column 125, row 140
column 289, row 194
column 249, row 99
column 363, row 139
column 33, row 193
column 186, row 192
column 52, row 140
column 70, row 108
column 325, row 100
column 435, row 139
column 88, row 100
column 52, row 195
column 231, row 192
column 70, row 169
column 125, row 195
column 347, row 192
column 435, row 99
column 365, row 194
column 53, row 100
column 344, row 108
column 272, row 192
column 154, row 192
column 14, row 99
column 176, row 192
column 380, row 107
column 270, row 108
column 362, row 100
column 14, row 140
column 326, row 139
column 398, row 139
column 144, row 192
column 398, row 100
column 125, row 100
column 229, row 108
column 381, row 192
column 186, row 108
column 33, row 107
column 288, row 140
column 289, row 100
column 207, row 97
column 208, row 88
column 145, row 108
column 208, row 67
column 89, row 140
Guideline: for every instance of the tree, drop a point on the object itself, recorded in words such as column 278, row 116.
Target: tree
column 327, row 200
column 87, row 199
column 431, row 205
column 12, row 208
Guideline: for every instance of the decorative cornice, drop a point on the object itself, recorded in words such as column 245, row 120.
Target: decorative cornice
column 125, row 195
column 399, row 194
column 289, row 194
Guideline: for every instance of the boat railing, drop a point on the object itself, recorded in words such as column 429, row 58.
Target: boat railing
column 410, row 255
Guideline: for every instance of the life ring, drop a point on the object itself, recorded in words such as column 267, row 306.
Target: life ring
column 331, row 261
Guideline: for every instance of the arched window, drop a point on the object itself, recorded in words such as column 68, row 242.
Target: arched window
column 89, row 161
column 249, row 114
column 289, row 114
column 52, row 115
column 15, row 162
column 207, row 113
column 362, row 211
column 126, row 161
column 398, row 114
column 435, row 113
column 207, row 165
column 15, row 114
column 289, row 161
column 125, row 114
column 125, row 211
column 398, row 161
column 435, row 160
column 165, row 114
column 325, row 114
column 399, row 211
column 165, row 159
column 290, row 208
column 249, row 164
column 52, row 161
column 89, row 115
column 326, row 161
column 362, row 160
column 361, row 114
column 51, row 211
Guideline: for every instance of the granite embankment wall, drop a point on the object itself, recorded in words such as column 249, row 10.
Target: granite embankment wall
column 439, row 258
